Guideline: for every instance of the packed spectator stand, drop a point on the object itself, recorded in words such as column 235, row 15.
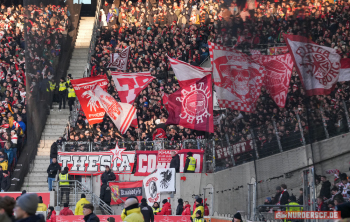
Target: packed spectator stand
column 182, row 30
column 46, row 28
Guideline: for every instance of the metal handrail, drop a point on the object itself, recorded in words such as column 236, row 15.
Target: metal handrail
column 79, row 187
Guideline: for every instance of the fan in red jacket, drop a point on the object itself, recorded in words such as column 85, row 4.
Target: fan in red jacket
column 51, row 217
column 166, row 210
column 206, row 210
column 66, row 211
column 187, row 209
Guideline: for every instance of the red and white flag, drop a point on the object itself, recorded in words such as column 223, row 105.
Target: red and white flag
column 344, row 73
column 318, row 66
column 254, row 52
column 278, row 73
column 122, row 114
column 94, row 112
column 165, row 99
column 192, row 106
column 187, row 74
column 237, row 78
column 129, row 85
column 120, row 60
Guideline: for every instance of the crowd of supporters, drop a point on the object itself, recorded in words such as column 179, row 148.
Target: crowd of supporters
column 182, row 29
column 332, row 195
column 46, row 28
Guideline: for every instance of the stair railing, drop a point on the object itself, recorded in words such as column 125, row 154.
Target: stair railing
column 79, row 188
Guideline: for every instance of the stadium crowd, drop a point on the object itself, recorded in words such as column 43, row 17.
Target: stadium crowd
column 182, row 31
column 46, row 27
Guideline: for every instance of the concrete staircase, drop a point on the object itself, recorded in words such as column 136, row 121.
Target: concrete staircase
column 56, row 123
column 78, row 62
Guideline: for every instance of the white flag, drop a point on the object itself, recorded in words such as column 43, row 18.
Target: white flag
column 318, row 66
column 151, row 189
column 166, row 180
column 122, row 114
column 120, row 60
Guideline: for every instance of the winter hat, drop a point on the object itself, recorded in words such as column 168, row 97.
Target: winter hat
column 28, row 203
column 131, row 201
column 51, row 208
column 278, row 188
column 180, row 201
column 237, row 216
column 164, row 201
column 268, row 198
column 65, row 205
column 199, row 200
column 143, row 200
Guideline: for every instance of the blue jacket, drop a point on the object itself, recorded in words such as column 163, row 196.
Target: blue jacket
column 9, row 153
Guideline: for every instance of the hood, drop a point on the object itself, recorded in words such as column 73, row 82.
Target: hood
column 180, row 201
column 188, row 206
column 167, row 204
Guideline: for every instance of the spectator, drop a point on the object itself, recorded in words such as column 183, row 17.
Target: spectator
column 321, row 206
column 190, row 165
column 66, row 211
column 89, row 216
column 26, row 208
column 187, row 209
column 51, row 215
column 80, row 204
column 284, row 196
column 7, row 204
column 41, row 205
column 199, row 206
column 5, row 181
column 180, row 207
column 326, row 188
column 132, row 212
column 3, row 160
column 166, row 209
column 108, row 175
column 156, row 209
column 199, row 216
column 175, row 161
column 301, row 197
column 52, row 170
column 146, row 211
column 64, row 178
column 53, row 151
column 237, row 217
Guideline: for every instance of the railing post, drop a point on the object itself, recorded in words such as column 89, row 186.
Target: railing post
column 214, row 155
column 232, row 156
column 324, row 124
column 300, row 128
column 346, row 114
column 57, row 190
column 254, row 144
column 277, row 136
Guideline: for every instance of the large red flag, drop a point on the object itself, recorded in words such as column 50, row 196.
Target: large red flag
column 318, row 66
column 89, row 103
column 192, row 106
column 129, row 85
column 278, row 73
column 122, row 114
column 237, row 78
column 187, row 74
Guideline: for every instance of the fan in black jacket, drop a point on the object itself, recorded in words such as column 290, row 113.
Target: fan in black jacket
column 105, row 193
column 146, row 211
column 175, row 161
column 180, row 207
column 5, row 181
column 108, row 175
column 326, row 188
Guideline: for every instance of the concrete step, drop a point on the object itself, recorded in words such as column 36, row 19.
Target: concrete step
column 81, row 51
column 42, row 161
column 51, row 137
column 42, row 157
column 75, row 60
column 80, row 47
column 84, row 39
column 77, row 74
column 82, row 44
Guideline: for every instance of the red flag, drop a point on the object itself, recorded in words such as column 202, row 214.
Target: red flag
column 129, row 85
column 192, row 106
column 344, row 73
column 237, row 78
column 187, row 74
column 165, row 100
column 89, row 103
column 318, row 66
column 278, row 73
column 122, row 114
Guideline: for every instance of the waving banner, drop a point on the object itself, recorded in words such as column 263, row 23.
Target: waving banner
column 122, row 190
column 192, row 106
column 237, row 78
column 318, row 66
column 151, row 190
column 129, row 85
column 278, row 73
column 120, row 60
column 344, row 73
column 122, row 114
column 87, row 163
column 93, row 110
column 147, row 161
column 236, row 149
column 166, row 182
